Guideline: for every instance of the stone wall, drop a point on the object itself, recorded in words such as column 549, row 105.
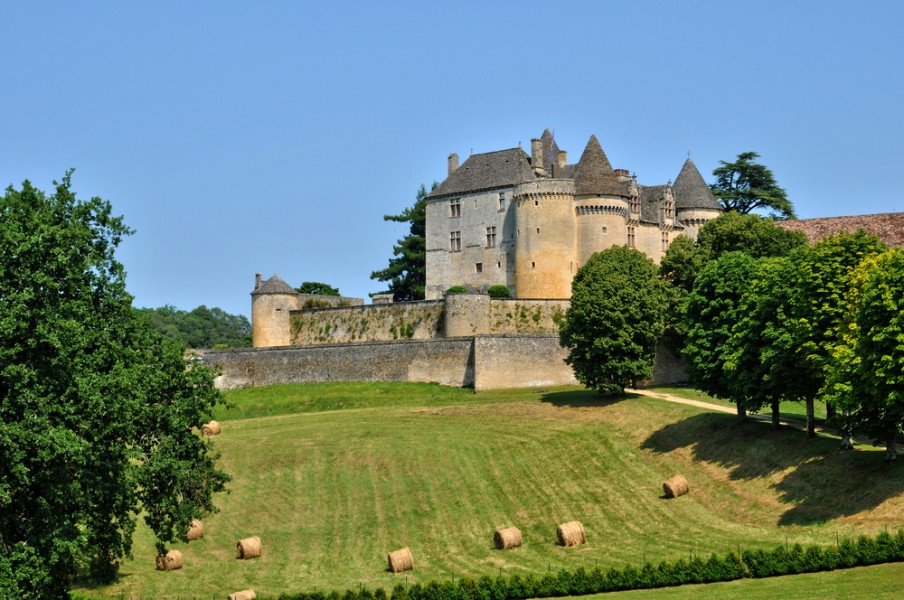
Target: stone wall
column 526, row 316
column 483, row 362
column 448, row 362
column 372, row 323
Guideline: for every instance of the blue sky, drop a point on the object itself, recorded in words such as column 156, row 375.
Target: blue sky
column 241, row 137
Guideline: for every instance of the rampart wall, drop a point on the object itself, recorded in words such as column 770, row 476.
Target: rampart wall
column 370, row 323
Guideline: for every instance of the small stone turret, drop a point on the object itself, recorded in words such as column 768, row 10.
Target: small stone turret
column 271, row 302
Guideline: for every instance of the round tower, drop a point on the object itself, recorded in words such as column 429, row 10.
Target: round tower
column 545, row 229
column 271, row 302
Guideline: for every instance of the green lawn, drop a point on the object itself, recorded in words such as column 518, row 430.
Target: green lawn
column 332, row 477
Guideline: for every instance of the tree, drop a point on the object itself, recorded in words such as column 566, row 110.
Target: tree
column 712, row 309
column 615, row 320
column 745, row 186
column 751, row 234
column 318, row 289
column 200, row 328
column 682, row 262
column 867, row 375
column 407, row 270
column 96, row 410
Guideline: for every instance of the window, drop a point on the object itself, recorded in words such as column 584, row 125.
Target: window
column 455, row 207
column 478, row 267
column 491, row 237
column 665, row 241
column 669, row 210
column 630, row 237
column 501, row 200
column 455, row 241
column 635, row 205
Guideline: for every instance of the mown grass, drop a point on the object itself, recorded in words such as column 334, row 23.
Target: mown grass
column 335, row 476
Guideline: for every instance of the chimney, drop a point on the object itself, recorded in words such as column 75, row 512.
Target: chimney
column 536, row 160
column 257, row 281
column 622, row 174
column 453, row 163
column 563, row 159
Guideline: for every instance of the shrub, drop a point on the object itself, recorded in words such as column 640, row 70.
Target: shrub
column 499, row 291
column 457, row 289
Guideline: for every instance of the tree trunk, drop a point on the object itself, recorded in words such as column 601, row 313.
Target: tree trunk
column 891, row 451
column 811, row 418
column 775, row 416
column 742, row 413
column 847, row 441
column 830, row 411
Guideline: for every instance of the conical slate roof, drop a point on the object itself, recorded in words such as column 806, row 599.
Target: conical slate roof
column 503, row 168
column 274, row 285
column 691, row 191
column 594, row 174
column 550, row 152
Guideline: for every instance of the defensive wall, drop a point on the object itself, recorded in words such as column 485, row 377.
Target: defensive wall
column 467, row 340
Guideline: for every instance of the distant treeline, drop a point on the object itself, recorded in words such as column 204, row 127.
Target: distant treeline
column 202, row 327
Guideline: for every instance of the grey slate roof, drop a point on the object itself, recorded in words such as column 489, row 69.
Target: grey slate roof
column 594, row 174
column 274, row 285
column 691, row 191
column 651, row 198
column 503, row 168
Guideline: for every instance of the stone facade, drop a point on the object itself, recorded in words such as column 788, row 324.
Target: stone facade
column 529, row 222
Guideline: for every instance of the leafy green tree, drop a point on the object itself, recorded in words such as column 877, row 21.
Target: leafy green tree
column 744, row 186
column 867, row 375
column 407, row 270
column 682, row 262
column 712, row 309
column 202, row 327
column 761, row 308
column 615, row 320
column 751, row 234
column 96, row 410
column 317, row 288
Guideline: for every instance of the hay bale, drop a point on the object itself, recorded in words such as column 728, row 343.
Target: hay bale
column 676, row 486
column 509, row 537
column 248, row 548
column 196, row 531
column 401, row 560
column 243, row 595
column 211, row 428
column 170, row 561
column 571, row 534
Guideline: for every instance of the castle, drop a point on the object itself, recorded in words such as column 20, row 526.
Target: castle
column 529, row 222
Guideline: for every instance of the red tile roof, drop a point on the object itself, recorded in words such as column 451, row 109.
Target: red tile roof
column 888, row 227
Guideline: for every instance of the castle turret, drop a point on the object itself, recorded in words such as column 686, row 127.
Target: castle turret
column 271, row 302
column 544, row 253
column 695, row 204
column 602, row 202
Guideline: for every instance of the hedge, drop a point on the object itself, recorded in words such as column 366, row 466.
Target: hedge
column 751, row 563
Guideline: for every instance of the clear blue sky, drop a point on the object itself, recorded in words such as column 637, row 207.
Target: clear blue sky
column 239, row 137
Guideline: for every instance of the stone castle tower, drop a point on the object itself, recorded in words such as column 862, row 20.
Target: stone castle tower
column 529, row 222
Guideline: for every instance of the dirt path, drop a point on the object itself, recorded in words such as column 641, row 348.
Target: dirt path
column 680, row 400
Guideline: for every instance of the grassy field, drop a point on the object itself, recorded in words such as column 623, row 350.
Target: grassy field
column 332, row 477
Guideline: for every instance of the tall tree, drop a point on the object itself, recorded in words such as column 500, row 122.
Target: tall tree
column 751, row 234
column 407, row 270
column 713, row 307
column 96, row 410
column 317, row 288
column 745, row 186
column 867, row 375
column 615, row 320
column 201, row 327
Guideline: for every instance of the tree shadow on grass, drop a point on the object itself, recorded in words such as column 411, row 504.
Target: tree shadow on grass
column 583, row 398
column 821, row 483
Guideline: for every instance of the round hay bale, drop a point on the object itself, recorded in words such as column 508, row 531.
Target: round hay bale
column 170, row 561
column 401, row 560
column 243, row 595
column 571, row 534
column 510, row 537
column 248, row 548
column 676, row 486
column 196, row 531
column 211, row 428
